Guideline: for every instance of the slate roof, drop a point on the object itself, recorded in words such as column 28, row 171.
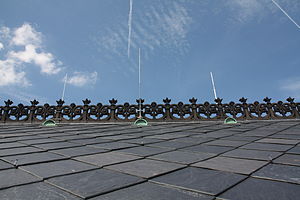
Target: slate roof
column 203, row 160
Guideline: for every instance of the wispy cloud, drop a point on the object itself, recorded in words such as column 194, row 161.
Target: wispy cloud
column 246, row 10
column 81, row 79
column 21, row 97
column 12, row 65
column 1, row 46
column 291, row 86
column 160, row 26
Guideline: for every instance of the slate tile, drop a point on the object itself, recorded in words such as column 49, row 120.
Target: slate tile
column 171, row 144
column 95, row 182
column 78, row 151
column 231, row 164
column 144, row 150
column 145, row 168
column 11, row 145
column 227, row 143
column 166, row 136
column 62, row 167
column 108, row 158
column 32, row 158
column 113, row 145
column 286, row 136
column 289, row 159
column 295, row 150
column 56, row 145
column 90, row 141
column 219, row 134
column 19, row 150
column 267, row 147
column 151, row 191
column 142, row 141
column 39, row 141
column 259, row 189
column 207, row 149
column 252, row 154
column 182, row 157
column 36, row 191
column 5, row 165
column 200, row 180
column 193, row 140
column 242, row 138
column 279, row 172
column 278, row 141
column 14, row 177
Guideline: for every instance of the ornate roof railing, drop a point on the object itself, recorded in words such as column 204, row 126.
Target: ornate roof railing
column 167, row 111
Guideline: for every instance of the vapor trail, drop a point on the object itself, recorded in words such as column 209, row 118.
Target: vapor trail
column 129, row 27
column 286, row 13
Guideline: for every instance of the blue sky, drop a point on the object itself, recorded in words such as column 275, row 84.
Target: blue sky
column 250, row 45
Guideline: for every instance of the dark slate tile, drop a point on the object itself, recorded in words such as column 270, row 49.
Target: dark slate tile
column 5, row 165
column 227, row 143
column 182, row 157
column 71, row 137
column 78, row 151
column 39, row 141
column 142, row 141
column 145, row 168
column 151, row 191
column 108, row 158
column 279, row 172
column 56, row 168
column 167, row 136
column 231, row 164
column 119, row 137
column 295, row 150
column 32, row 158
column 267, row 147
column 200, row 180
column 171, row 144
column 278, row 141
column 19, row 150
column 56, row 145
column 192, row 140
column 258, row 189
column 220, row 134
column 95, row 182
column 289, row 159
column 11, row 145
column 252, row 154
column 36, row 191
column 14, row 177
column 207, row 149
column 90, row 141
column 144, row 150
column 242, row 138
column 286, row 136
column 114, row 145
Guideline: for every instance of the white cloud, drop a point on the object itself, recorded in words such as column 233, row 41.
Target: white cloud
column 11, row 74
column 12, row 66
column 44, row 60
column 25, row 35
column 80, row 79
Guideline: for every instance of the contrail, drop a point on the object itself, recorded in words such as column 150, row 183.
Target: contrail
column 286, row 13
column 129, row 27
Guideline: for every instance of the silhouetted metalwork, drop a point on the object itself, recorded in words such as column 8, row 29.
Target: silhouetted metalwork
column 151, row 112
